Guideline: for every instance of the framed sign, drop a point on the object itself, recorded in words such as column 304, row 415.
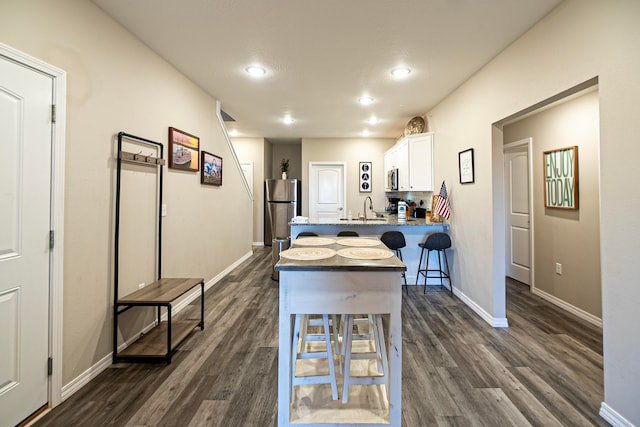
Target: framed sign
column 561, row 178
column 211, row 173
column 365, row 177
column 183, row 150
column 465, row 164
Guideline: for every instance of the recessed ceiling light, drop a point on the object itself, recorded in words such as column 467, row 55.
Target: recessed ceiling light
column 365, row 100
column 256, row 71
column 400, row 72
column 233, row 132
column 288, row 120
column 365, row 133
column 372, row 121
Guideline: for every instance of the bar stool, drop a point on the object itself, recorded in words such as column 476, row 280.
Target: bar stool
column 376, row 333
column 328, row 354
column 438, row 242
column 317, row 320
column 307, row 234
column 348, row 233
column 394, row 240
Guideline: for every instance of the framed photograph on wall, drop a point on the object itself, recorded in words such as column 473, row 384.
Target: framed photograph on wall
column 465, row 164
column 183, row 150
column 211, row 171
column 365, row 177
column 560, row 168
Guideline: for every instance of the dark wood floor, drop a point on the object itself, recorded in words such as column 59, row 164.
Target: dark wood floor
column 544, row 370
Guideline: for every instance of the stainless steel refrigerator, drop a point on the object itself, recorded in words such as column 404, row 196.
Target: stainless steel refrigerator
column 283, row 203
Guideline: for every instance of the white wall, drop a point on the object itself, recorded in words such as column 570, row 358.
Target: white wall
column 115, row 83
column 579, row 40
column 351, row 151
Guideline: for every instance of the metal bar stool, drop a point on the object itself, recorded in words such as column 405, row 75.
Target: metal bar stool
column 438, row 242
column 394, row 240
column 307, row 234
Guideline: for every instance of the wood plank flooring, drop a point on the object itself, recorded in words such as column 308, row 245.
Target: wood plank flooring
column 544, row 370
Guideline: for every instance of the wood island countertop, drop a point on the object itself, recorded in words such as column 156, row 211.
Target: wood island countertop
column 338, row 262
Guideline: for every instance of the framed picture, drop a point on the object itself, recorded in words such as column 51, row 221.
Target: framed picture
column 365, row 177
column 561, row 178
column 465, row 164
column 183, row 150
column 211, row 173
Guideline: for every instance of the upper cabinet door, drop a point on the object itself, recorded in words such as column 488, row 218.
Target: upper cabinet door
column 421, row 162
column 403, row 165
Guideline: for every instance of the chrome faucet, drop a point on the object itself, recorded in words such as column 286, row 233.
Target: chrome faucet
column 364, row 208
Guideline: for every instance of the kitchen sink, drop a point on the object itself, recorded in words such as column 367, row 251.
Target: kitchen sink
column 365, row 220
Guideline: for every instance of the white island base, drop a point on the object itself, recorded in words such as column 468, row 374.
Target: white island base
column 363, row 291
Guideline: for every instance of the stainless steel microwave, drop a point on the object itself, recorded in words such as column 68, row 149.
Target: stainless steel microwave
column 392, row 179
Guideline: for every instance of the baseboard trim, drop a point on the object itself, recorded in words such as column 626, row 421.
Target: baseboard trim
column 568, row 307
column 81, row 380
column 196, row 292
column 608, row 414
column 495, row 322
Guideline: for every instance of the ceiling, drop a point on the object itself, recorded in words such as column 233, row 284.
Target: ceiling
column 322, row 55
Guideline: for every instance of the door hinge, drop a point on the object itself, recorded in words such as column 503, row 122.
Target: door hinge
column 53, row 113
column 50, row 366
column 51, row 239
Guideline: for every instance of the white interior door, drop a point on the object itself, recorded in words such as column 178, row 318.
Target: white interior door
column 518, row 236
column 25, row 185
column 326, row 191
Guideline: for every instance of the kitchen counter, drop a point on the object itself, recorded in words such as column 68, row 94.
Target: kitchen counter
column 387, row 220
column 414, row 231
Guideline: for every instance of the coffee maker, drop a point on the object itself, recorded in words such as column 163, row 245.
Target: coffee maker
column 392, row 205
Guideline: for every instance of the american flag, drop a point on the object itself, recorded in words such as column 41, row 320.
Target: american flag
column 442, row 204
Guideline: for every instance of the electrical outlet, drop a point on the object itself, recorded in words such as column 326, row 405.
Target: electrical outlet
column 141, row 285
column 558, row 268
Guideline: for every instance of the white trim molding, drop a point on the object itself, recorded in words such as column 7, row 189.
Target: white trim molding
column 568, row 307
column 232, row 149
column 608, row 414
column 495, row 322
column 56, row 255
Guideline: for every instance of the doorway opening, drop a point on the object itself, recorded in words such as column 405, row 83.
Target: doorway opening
column 565, row 243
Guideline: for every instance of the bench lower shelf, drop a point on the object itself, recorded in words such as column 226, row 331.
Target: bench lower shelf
column 153, row 344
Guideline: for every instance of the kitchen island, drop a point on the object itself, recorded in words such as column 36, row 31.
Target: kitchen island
column 414, row 230
column 340, row 284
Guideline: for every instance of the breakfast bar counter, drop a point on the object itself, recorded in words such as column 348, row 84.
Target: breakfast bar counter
column 413, row 229
column 340, row 276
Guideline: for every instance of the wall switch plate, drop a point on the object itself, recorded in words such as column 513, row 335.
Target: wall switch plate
column 141, row 285
column 558, row 268
column 164, row 209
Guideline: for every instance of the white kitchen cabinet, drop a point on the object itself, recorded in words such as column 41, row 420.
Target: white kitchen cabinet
column 413, row 157
column 420, row 162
